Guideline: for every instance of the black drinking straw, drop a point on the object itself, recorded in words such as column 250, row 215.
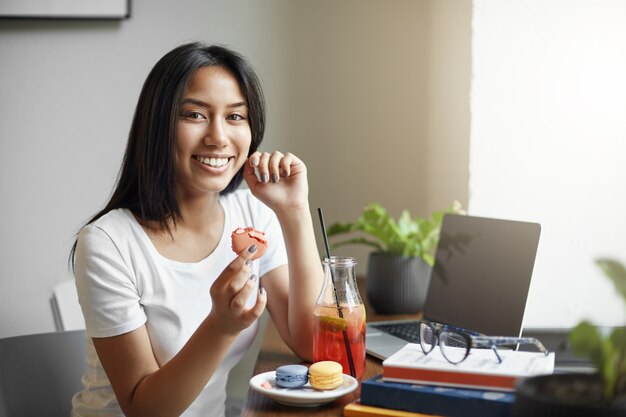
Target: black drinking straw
column 339, row 309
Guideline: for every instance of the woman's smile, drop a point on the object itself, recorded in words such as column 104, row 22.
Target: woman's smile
column 213, row 162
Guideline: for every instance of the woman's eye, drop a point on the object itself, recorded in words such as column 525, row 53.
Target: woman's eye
column 236, row 116
column 194, row 115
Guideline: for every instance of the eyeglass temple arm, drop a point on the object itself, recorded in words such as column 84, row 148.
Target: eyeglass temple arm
column 493, row 341
column 457, row 329
column 495, row 350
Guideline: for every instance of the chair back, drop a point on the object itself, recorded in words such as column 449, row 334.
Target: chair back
column 65, row 307
column 39, row 373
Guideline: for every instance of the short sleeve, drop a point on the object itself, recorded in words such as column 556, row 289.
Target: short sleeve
column 107, row 290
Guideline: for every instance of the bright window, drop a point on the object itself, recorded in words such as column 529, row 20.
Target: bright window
column 548, row 143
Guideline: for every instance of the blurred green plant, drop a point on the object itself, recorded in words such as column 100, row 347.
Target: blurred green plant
column 408, row 236
column 607, row 351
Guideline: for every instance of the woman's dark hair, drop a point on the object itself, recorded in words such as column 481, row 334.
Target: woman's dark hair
column 146, row 182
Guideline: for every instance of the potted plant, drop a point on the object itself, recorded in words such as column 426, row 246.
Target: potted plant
column 398, row 270
column 602, row 393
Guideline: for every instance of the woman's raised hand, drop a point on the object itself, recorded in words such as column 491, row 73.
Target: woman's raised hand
column 278, row 180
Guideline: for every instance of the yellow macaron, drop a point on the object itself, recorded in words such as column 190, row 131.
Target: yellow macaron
column 325, row 375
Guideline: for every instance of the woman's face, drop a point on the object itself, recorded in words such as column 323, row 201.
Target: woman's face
column 213, row 132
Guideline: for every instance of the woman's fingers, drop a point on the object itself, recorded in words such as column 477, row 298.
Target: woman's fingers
column 240, row 299
column 261, row 301
column 270, row 167
column 274, row 166
column 233, row 290
column 235, row 275
column 285, row 164
column 264, row 174
column 253, row 313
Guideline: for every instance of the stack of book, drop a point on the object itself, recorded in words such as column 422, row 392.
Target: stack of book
column 429, row 384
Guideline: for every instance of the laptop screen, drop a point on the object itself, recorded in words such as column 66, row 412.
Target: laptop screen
column 482, row 273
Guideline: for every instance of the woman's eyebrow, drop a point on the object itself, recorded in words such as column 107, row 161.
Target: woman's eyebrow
column 204, row 104
column 239, row 104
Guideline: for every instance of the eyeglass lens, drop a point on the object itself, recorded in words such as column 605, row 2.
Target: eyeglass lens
column 453, row 346
column 427, row 338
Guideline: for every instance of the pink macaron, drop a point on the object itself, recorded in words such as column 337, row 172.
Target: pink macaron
column 244, row 237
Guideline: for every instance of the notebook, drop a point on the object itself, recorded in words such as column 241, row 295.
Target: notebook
column 480, row 281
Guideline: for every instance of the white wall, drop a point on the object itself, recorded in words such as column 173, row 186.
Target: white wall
column 356, row 88
column 548, row 143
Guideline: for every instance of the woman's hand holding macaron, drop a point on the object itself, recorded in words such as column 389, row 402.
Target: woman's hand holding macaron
column 233, row 288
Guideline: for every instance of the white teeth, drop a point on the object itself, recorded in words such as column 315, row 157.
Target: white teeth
column 213, row 162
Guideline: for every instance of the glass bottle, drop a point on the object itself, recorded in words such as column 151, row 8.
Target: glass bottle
column 340, row 318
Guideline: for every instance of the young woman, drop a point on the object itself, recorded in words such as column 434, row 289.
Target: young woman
column 169, row 307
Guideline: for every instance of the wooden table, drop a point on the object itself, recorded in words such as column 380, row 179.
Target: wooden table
column 274, row 353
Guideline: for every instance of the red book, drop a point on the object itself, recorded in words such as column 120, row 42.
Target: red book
column 479, row 370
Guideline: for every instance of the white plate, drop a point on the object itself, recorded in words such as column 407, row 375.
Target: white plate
column 304, row 396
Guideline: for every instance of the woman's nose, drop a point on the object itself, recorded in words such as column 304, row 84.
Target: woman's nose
column 215, row 133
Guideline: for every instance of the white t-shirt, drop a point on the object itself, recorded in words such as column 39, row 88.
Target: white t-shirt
column 123, row 282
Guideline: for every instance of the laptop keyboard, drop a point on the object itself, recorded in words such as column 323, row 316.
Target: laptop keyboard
column 409, row 331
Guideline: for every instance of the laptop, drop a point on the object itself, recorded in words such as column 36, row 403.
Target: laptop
column 480, row 281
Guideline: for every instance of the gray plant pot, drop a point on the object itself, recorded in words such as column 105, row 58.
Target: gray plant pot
column 397, row 284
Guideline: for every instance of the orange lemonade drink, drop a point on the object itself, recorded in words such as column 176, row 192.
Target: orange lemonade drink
column 328, row 337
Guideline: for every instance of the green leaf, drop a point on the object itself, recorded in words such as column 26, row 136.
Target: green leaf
column 429, row 259
column 609, row 369
column 406, row 226
column 618, row 340
column 376, row 222
column 615, row 366
column 608, row 353
column 339, row 229
column 406, row 237
column 586, row 341
column 616, row 273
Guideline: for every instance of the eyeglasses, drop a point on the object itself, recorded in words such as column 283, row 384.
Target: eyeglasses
column 456, row 343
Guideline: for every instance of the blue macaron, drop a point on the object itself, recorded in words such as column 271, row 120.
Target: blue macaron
column 292, row 376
